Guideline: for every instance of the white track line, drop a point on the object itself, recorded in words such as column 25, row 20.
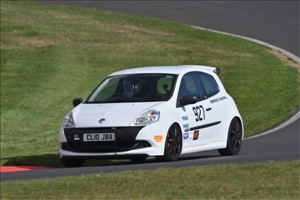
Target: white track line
column 288, row 54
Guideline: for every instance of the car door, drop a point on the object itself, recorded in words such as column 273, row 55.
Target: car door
column 195, row 118
column 215, row 106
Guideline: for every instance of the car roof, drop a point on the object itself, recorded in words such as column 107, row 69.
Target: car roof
column 166, row 69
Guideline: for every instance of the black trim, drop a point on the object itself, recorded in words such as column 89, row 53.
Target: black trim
column 104, row 147
column 122, row 133
column 128, row 156
column 204, row 126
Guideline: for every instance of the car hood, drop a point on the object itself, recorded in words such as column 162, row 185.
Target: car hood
column 112, row 115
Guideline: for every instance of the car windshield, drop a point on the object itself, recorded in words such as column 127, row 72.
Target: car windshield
column 134, row 88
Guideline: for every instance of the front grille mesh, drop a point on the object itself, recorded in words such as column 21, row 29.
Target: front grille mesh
column 104, row 147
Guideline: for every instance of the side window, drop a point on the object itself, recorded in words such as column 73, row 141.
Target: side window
column 189, row 85
column 209, row 84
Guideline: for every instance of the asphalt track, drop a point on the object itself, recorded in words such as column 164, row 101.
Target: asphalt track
column 274, row 23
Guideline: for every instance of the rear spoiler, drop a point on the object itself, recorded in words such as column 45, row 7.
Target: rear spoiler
column 217, row 70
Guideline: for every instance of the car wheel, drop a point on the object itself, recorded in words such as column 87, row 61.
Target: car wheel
column 234, row 139
column 139, row 159
column 173, row 145
column 72, row 162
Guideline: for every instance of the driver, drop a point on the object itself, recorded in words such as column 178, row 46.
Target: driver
column 130, row 89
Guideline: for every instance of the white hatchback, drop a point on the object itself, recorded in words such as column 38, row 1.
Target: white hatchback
column 162, row 111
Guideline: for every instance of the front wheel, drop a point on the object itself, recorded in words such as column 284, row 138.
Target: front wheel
column 173, row 145
column 234, row 139
column 72, row 162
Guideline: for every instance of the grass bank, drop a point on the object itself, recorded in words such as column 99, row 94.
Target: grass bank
column 52, row 54
column 273, row 180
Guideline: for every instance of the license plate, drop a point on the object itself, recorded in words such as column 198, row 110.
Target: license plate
column 94, row 137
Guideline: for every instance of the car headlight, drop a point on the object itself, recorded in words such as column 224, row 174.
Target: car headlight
column 68, row 121
column 146, row 118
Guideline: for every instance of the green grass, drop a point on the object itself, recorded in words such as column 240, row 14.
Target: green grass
column 53, row 54
column 273, row 180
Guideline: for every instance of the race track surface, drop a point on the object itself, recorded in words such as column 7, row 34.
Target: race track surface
column 273, row 22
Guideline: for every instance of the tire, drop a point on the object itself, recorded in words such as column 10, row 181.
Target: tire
column 139, row 159
column 72, row 162
column 173, row 145
column 234, row 139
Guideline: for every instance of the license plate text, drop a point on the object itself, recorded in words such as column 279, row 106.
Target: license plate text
column 92, row 137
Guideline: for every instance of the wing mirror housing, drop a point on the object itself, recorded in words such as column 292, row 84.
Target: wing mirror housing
column 186, row 100
column 77, row 101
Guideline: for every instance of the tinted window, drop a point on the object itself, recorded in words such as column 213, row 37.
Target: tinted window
column 209, row 84
column 189, row 85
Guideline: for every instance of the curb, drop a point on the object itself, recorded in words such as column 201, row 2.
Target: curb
column 20, row 168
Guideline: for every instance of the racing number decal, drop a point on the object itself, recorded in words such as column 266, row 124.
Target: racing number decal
column 199, row 113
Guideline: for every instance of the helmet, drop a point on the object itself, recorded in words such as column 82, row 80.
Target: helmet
column 130, row 88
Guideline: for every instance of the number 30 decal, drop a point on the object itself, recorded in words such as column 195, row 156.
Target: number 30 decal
column 199, row 113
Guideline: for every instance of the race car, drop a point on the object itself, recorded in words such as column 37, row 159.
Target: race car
column 158, row 111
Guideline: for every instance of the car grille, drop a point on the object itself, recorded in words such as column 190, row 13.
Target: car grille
column 103, row 147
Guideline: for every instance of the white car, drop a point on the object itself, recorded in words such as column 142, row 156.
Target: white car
column 161, row 112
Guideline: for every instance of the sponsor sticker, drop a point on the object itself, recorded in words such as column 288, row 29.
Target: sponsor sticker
column 186, row 126
column 218, row 99
column 186, row 136
column 185, row 118
column 196, row 135
column 158, row 138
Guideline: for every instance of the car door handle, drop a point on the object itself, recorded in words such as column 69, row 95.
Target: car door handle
column 208, row 109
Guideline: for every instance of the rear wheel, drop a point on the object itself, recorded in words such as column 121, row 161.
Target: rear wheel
column 173, row 145
column 234, row 139
column 72, row 162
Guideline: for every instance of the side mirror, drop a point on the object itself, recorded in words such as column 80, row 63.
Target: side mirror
column 186, row 100
column 77, row 101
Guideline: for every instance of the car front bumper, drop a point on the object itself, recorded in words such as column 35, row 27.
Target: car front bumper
column 129, row 142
